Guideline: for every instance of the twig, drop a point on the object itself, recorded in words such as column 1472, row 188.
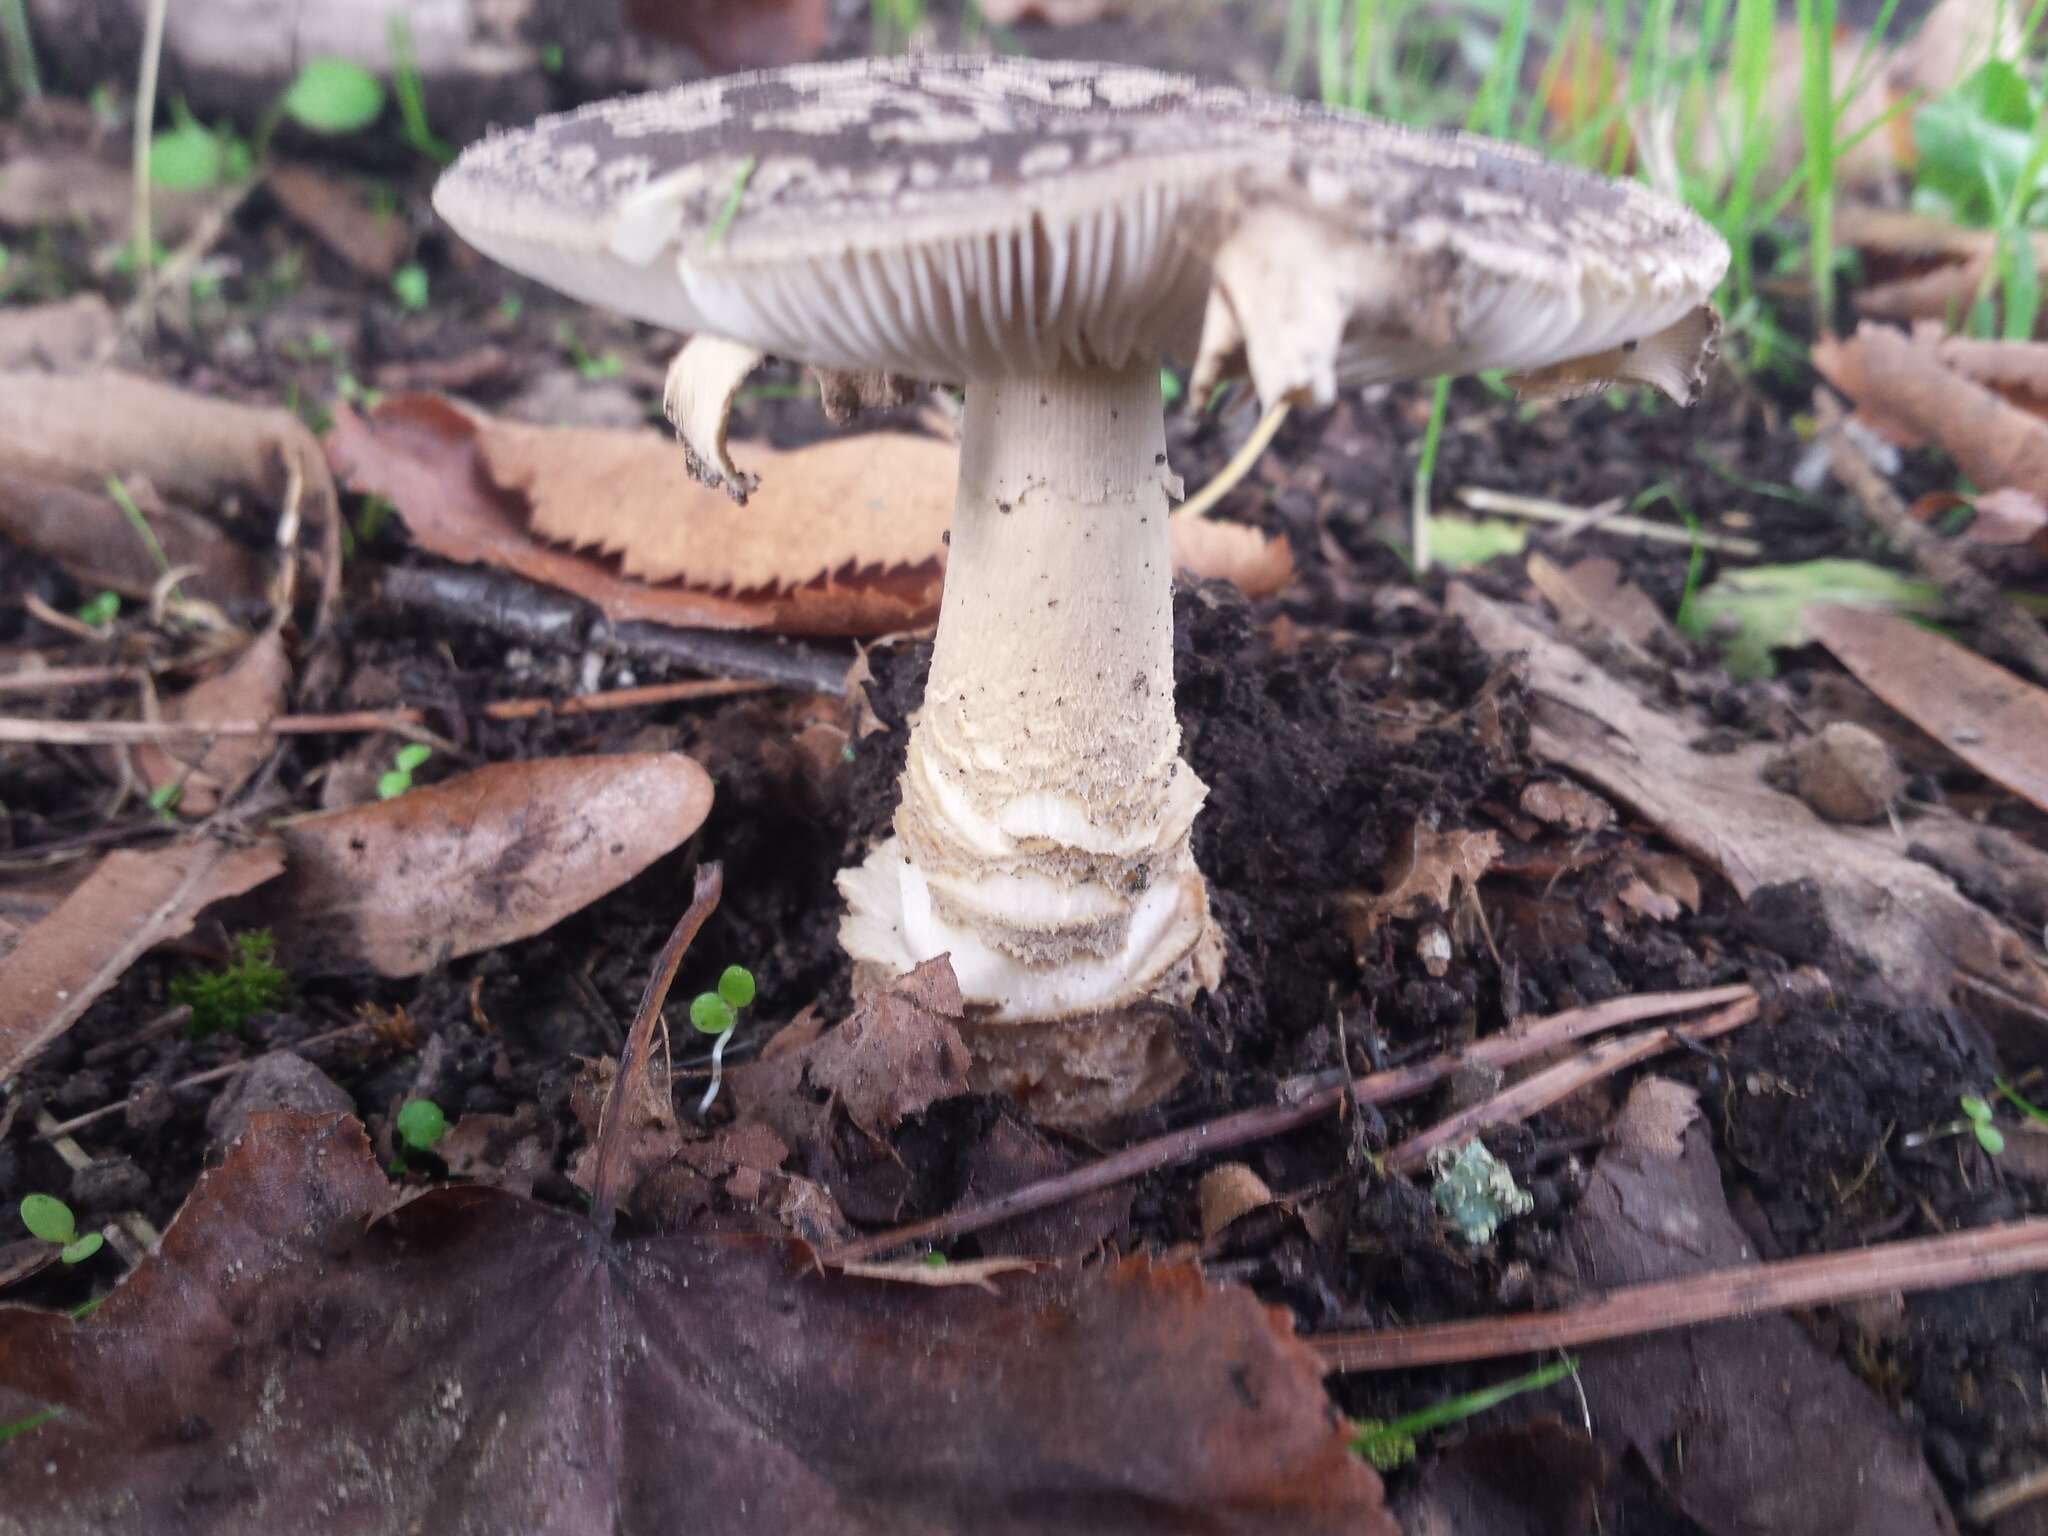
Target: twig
column 143, row 236
column 535, row 615
column 609, row 1171
column 60, row 679
column 406, row 722
column 1968, row 594
column 131, row 1234
column 197, row 1079
column 1212, row 1136
column 2001, row 1499
column 1742, row 1290
column 1540, row 1090
column 1538, row 510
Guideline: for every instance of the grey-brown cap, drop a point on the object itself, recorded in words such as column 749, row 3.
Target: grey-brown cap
column 947, row 218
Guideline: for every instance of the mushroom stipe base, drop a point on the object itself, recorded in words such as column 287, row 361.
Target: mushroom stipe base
column 1042, row 839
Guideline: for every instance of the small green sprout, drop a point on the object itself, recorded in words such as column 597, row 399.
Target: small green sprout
column 935, row 1260
column 405, row 762
column 188, row 156
column 1977, row 1111
column 510, row 308
column 334, row 96
column 1170, row 389
column 1390, row 1443
column 552, row 58
column 409, row 283
column 227, row 999
column 729, row 210
column 22, row 1426
column 2011, row 1095
column 421, row 1124
column 50, row 1219
column 590, row 365
column 163, row 800
column 101, row 610
column 718, row 1014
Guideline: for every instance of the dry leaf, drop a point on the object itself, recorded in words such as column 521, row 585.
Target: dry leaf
column 1227, row 1192
column 251, row 688
column 498, row 854
column 62, row 437
column 71, row 333
column 1052, row 13
column 1425, row 873
column 1990, row 718
column 57, row 186
column 1258, row 563
column 1905, row 389
column 1762, row 1413
column 899, row 1053
column 474, row 1362
column 372, row 242
column 1917, row 267
column 440, row 465
column 1571, row 807
column 130, row 904
column 737, row 34
column 1904, row 920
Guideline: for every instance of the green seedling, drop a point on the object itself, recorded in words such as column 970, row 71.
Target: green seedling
column 588, row 364
column 411, row 90
column 100, row 610
column 552, row 59
column 333, row 96
column 2011, row 1095
column 163, row 800
column 188, row 156
column 1976, row 1121
column 718, row 1014
column 1476, row 1191
column 1977, row 1114
column 1170, row 388
column 406, row 761
column 22, row 1426
column 228, row 998
column 50, row 1219
column 1390, row 1443
column 419, row 1127
column 409, row 283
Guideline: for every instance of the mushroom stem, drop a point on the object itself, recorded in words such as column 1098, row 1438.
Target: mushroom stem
column 1042, row 841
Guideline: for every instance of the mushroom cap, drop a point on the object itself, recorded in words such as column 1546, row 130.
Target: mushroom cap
column 952, row 217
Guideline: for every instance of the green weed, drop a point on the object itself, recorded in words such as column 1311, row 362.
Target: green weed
column 227, row 999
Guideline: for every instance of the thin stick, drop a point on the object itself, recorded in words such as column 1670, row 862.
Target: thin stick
column 1538, row 510
column 1741, row 1290
column 1540, row 1090
column 1212, row 1136
column 2001, row 1499
column 197, row 1079
column 58, row 679
column 1240, row 464
column 612, row 1138
column 96, row 733
column 145, row 122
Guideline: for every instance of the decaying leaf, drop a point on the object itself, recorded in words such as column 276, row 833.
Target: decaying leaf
column 372, row 241
column 845, row 536
column 1990, row 718
column 1917, row 267
column 496, row 855
column 180, row 453
column 473, row 1362
column 207, row 772
column 1052, row 13
column 130, row 904
column 737, row 34
column 1918, row 389
column 899, row 1053
column 1423, row 876
column 834, row 542
column 1895, row 916
column 1746, row 1424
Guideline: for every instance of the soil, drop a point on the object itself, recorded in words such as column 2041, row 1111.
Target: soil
column 1326, row 724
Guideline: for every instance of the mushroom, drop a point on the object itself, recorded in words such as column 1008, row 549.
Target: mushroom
column 1043, row 234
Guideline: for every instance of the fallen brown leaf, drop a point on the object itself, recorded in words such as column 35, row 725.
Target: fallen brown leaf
column 1423, row 876
column 1917, row 267
column 498, row 854
column 1890, row 913
column 1748, row 1425
column 462, row 484
column 63, row 437
column 1052, row 13
column 251, row 688
column 737, row 34
column 1994, row 721
column 372, row 242
column 845, row 536
column 468, row 1360
column 128, row 905
column 1537, row 1478
column 1909, row 389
